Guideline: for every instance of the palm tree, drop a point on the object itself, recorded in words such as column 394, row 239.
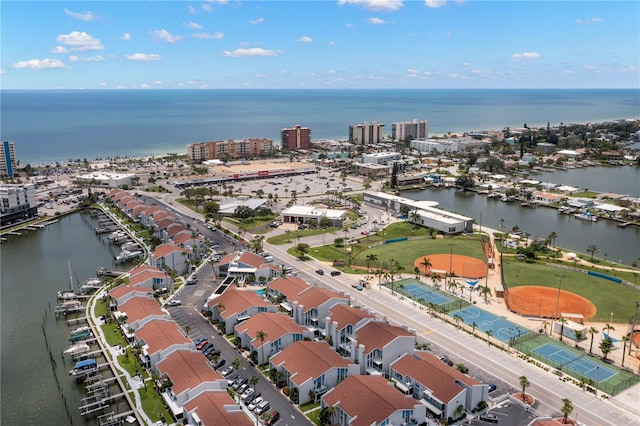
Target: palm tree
column 593, row 249
column 562, row 322
column 187, row 329
column 261, row 335
column 326, row 414
column 253, row 381
column 236, row 364
column 524, row 383
column 567, row 408
column 606, row 345
column 436, row 279
column 593, row 331
column 452, row 285
column 579, row 336
column 552, row 238
column 625, row 339
column 457, row 319
column 426, row 265
column 485, row 291
column 414, row 216
column 473, row 328
column 371, row 258
column 489, row 334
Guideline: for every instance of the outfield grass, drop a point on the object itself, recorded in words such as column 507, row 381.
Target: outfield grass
column 608, row 296
column 290, row 237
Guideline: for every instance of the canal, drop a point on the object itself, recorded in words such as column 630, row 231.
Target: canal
column 35, row 381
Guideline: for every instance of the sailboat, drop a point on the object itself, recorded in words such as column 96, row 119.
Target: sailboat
column 68, row 294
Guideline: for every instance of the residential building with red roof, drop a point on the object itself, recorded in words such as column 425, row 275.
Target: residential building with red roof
column 190, row 241
column 215, row 409
column 442, row 389
column 377, row 344
column 341, row 325
column 123, row 293
column 171, row 256
column 280, row 331
column 286, row 289
column 138, row 311
column 151, row 277
column 158, row 339
column 115, row 192
column 185, row 375
column 312, row 367
column 243, row 264
column 237, row 305
column 371, row 400
column 312, row 306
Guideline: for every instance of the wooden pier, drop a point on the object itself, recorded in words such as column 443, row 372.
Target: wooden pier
column 75, row 321
column 113, row 419
column 98, row 401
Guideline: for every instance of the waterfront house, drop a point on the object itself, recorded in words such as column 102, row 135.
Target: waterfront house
column 547, row 197
column 137, row 311
column 188, row 240
column 170, row 256
column 150, row 277
column 158, row 338
column 280, row 331
column 185, row 374
column 172, row 230
column 312, row 368
column 146, row 217
column 235, row 305
column 286, row 289
column 313, row 305
column 341, row 325
column 215, row 408
column 241, row 264
column 121, row 294
column 442, row 389
column 370, row 400
column 377, row 344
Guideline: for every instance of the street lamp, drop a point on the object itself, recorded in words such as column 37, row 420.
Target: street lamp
column 611, row 318
column 561, row 276
column 451, row 258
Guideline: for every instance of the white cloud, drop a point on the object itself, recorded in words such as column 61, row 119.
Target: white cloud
column 126, row 36
column 39, row 64
column 376, row 21
column 164, row 35
column 257, row 21
column 2, row 72
column 192, row 10
column 84, row 16
column 305, row 39
column 97, row 58
column 389, row 5
column 207, row 36
column 80, row 41
column 102, row 84
column 254, row 51
column 567, row 72
column 434, row 4
column 207, row 7
column 589, row 21
column 59, row 49
column 143, row 57
column 525, row 55
column 412, row 71
column 192, row 25
column 332, row 43
column 350, row 25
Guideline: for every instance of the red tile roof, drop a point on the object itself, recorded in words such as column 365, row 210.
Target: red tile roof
column 309, row 360
column 314, row 297
column 187, row 369
column 210, row 407
column 289, row 286
column 165, row 249
column 139, row 308
column 181, row 238
column 378, row 334
column 348, row 315
column 371, row 398
column 174, row 229
column 123, row 290
column 236, row 301
column 161, row 334
column 274, row 325
column 142, row 268
column 428, row 370
column 146, row 276
column 164, row 223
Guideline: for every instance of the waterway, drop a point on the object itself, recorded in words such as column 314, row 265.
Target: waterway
column 618, row 244
column 34, row 268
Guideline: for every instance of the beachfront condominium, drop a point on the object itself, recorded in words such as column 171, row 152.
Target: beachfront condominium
column 7, row 159
column 229, row 149
column 407, row 130
column 17, row 203
column 296, row 137
column 366, row 133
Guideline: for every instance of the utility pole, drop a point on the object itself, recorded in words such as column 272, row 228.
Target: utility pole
column 555, row 314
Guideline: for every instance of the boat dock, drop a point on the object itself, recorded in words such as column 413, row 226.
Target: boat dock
column 104, row 272
column 100, row 400
column 112, row 419
column 107, row 229
column 75, row 321
column 69, row 307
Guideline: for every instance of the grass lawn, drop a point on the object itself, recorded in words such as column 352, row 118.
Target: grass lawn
column 314, row 416
column 289, row 237
column 112, row 334
column 153, row 405
column 608, row 296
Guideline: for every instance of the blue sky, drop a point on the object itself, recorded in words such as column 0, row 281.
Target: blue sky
column 320, row 44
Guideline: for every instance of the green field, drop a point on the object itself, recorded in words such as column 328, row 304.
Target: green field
column 608, row 296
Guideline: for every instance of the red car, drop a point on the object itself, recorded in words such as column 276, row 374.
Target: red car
column 202, row 344
column 273, row 418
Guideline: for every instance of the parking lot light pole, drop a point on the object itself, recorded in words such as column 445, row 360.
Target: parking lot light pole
column 560, row 276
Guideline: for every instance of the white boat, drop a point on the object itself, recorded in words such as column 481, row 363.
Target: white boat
column 127, row 255
column 90, row 286
column 67, row 295
column 77, row 349
column 586, row 216
column 81, row 329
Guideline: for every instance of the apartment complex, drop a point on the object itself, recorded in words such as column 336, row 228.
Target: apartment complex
column 407, row 130
column 243, row 148
column 7, row 159
column 296, row 137
column 366, row 133
column 18, row 203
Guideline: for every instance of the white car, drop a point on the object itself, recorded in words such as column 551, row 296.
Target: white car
column 253, row 404
column 175, row 302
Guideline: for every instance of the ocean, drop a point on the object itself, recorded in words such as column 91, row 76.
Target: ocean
column 49, row 126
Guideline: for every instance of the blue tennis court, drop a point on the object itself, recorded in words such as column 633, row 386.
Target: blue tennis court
column 500, row 328
column 418, row 291
column 575, row 362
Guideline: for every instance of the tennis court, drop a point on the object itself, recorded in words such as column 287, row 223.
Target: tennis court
column 500, row 328
column 575, row 362
column 418, row 291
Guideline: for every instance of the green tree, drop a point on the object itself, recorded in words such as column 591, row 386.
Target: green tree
column 236, row 364
column 414, row 217
column 524, row 384
column 592, row 249
column 593, row 331
column 261, row 335
column 606, row 346
column 302, row 249
column 465, row 182
column 426, row 265
column 211, row 208
column 243, row 212
column 253, row 381
column 371, row 258
column 567, row 408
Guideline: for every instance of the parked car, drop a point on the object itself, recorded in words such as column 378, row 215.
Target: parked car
column 274, row 416
column 250, row 398
column 199, row 340
column 202, row 344
column 262, row 407
column 175, row 302
column 335, row 273
column 253, row 404
column 210, row 352
column 205, row 347
column 492, row 387
column 319, row 272
column 226, row 371
column 239, row 382
column 219, row 363
column 248, row 394
column 488, row 417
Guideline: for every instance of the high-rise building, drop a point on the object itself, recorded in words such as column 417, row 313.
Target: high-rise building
column 366, row 133
column 229, row 149
column 7, row 159
column 407, row 130
column 296, row 137
column 17, row 203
